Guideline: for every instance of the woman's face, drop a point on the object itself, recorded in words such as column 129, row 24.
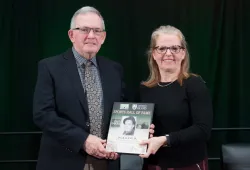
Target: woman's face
column 168, row 52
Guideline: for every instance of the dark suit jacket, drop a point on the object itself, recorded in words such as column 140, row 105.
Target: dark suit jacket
column 60, row 109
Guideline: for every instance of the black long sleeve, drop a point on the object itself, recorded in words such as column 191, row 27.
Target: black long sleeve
column 201, row 114
column 185, row 113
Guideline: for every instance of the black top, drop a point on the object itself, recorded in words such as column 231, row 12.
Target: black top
column 185, row 113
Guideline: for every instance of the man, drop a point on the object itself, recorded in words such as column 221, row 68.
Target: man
column 73, row 99
column 129, row 125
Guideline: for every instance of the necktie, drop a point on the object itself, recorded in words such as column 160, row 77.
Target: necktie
column 93, row 92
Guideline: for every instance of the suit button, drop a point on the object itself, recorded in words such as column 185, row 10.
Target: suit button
column 87, row 124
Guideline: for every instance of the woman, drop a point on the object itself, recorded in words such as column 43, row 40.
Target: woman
column 183, row 108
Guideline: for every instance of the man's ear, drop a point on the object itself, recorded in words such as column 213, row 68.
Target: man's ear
column 71, row 35
column 103, row 37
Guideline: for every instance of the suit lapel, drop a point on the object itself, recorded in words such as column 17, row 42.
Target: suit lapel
column 73, row 74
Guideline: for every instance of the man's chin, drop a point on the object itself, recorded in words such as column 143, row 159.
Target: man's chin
column 93, row 49
column 90, row 53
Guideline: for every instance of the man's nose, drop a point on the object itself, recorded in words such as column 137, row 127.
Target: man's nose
column 91, row 34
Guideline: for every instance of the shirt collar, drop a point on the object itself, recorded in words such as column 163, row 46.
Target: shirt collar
column 80, row 60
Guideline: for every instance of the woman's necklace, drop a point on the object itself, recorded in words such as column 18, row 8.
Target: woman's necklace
column 165, row 85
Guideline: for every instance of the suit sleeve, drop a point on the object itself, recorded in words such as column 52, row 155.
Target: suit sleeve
column 201, row 112
column 46, row 118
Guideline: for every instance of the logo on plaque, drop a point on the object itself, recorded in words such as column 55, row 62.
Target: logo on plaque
column 124, row 106
column 134, row 106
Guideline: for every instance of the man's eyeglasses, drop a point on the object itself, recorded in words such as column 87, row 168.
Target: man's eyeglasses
column 173, row 49
column 86, row 30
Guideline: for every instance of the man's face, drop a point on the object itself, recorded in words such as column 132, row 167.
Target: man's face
column 128, row 126
column 89, row 35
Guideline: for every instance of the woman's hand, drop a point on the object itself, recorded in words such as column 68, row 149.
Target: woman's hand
column 154, row 144
column 151, row 130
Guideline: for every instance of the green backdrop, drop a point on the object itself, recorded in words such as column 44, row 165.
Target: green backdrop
column 217, row 32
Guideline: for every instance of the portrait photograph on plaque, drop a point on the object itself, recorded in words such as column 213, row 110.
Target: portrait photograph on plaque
column 129, row 125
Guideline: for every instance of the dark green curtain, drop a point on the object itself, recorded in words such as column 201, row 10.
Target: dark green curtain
column 218, row 37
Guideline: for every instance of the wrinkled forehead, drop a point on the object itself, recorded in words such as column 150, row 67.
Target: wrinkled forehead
column 90, row 19
column 164, row 39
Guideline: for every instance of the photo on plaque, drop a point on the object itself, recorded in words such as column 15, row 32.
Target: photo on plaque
column 129, row 125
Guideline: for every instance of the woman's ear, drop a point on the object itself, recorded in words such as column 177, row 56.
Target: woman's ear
column 183, row 54
column 153, row 55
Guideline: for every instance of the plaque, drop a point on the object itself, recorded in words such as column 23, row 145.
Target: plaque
column 129, row 125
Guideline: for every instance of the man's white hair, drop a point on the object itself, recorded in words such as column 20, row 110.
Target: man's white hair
column 84, row 10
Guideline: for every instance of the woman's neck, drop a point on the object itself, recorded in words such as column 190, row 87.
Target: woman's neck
column 167, row 76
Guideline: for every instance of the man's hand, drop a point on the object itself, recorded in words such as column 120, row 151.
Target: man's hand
column 112, row 156
column 94, row 146
column 151, row 130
